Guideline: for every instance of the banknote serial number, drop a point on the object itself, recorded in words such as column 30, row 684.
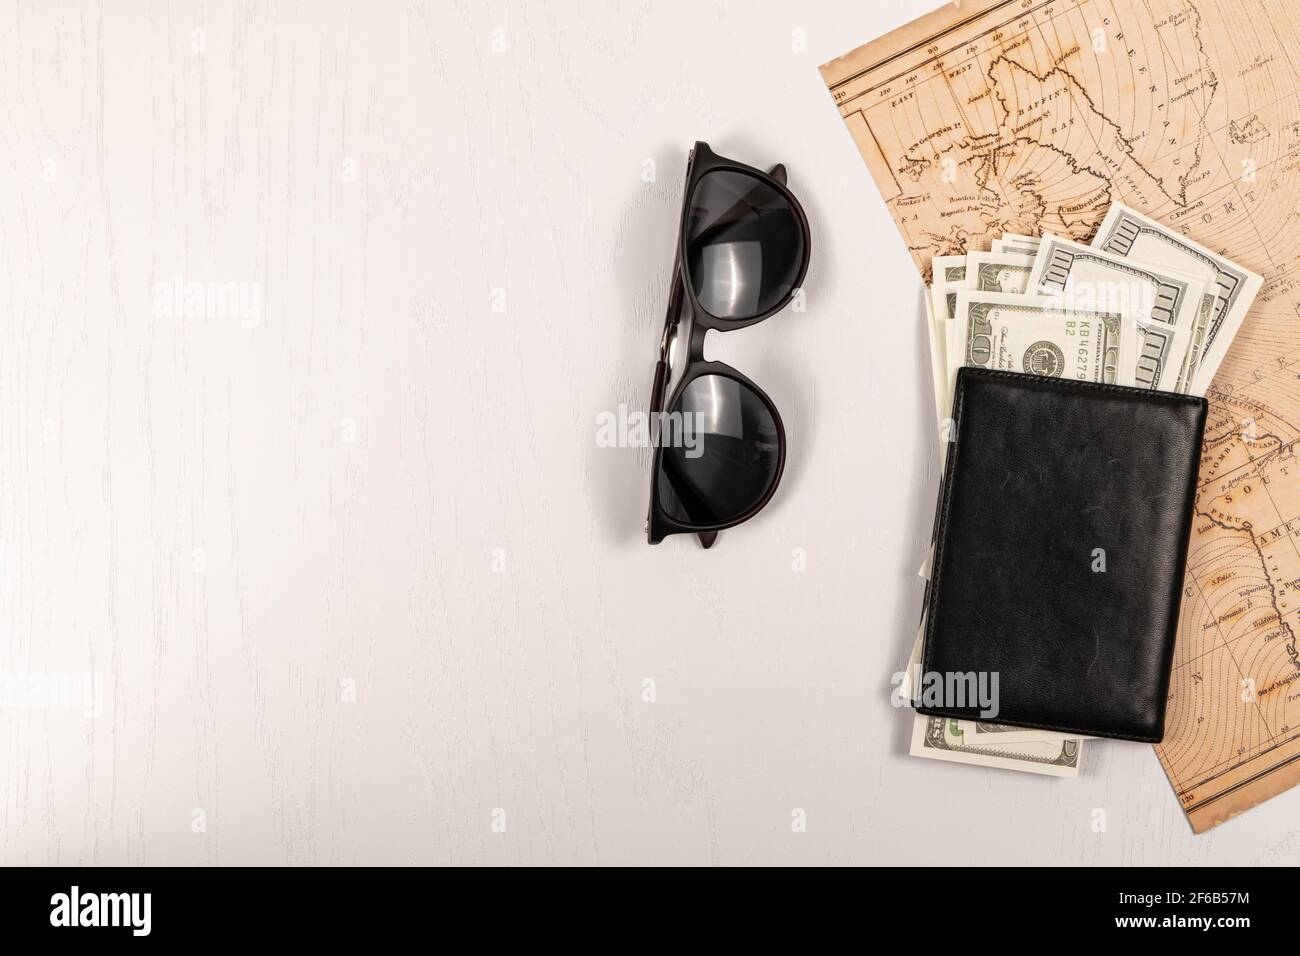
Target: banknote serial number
column 1199, row 898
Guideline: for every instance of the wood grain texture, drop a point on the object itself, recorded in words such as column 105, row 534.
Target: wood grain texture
column 360, row 460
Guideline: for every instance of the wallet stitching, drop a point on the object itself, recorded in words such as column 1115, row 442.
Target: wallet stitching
column 949, row 478
column 1067, row 385
column 1059, row 728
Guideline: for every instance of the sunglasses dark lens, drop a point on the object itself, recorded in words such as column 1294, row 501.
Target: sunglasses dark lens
column 720, row 451
column 744, row 245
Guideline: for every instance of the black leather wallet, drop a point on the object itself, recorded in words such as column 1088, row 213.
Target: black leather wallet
column 1060, row 546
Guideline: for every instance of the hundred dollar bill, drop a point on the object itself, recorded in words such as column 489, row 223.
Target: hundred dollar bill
column 1041, row 336
column 1159, row 364
column 937, row 363
column 953, row 351
column 998, row 271
column 1012, row 242
column 1196, row 347
column 1126, row 232
column 991, row 272
column 983, row 731
column 940, row 738
column 949, row 276
column 1167, row 304
column 948, row 268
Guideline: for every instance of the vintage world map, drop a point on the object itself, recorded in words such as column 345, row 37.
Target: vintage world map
column 1021, row 116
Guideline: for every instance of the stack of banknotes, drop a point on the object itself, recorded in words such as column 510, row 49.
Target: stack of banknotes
column 1140, row 305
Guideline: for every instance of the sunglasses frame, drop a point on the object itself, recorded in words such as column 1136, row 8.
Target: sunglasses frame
column 701, row 162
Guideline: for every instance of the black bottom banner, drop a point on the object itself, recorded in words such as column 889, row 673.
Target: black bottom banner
column 207, row 906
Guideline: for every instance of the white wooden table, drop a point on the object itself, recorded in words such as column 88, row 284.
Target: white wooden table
column 310, row 312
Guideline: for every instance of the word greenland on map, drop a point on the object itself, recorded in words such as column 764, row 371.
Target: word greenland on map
column 990, row 124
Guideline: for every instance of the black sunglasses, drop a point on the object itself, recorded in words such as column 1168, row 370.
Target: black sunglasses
column 742, row 253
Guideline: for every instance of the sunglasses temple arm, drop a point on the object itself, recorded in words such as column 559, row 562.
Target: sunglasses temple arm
column 658, row 391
